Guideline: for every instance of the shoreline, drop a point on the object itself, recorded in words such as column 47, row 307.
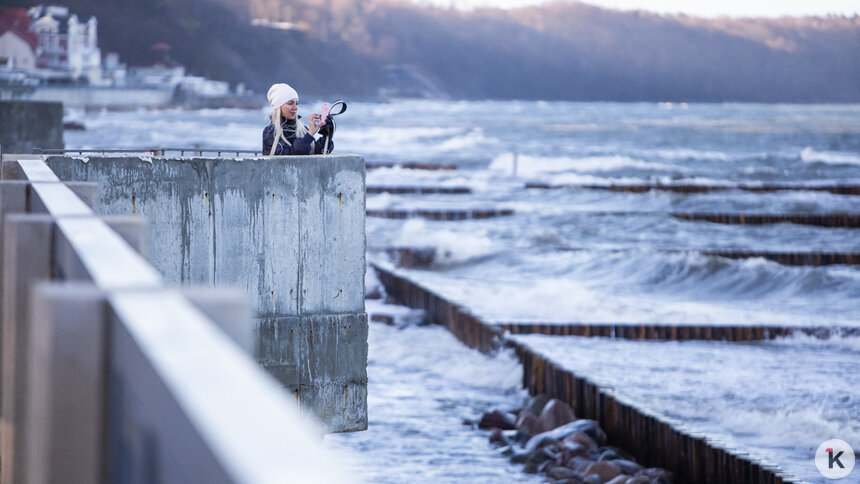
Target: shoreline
column 653, row 440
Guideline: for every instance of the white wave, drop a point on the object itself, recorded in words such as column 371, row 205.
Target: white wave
column 809, row 155
column 450, row 247
column 536, row 165
column 686, row 154
column 474, row 138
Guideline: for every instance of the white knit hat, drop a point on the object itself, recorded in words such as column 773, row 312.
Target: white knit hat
column 279, row 94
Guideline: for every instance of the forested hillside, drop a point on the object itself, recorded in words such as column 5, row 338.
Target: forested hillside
column 561, row 50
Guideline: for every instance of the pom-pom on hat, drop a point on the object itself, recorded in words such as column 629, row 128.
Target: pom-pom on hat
column 280, row 93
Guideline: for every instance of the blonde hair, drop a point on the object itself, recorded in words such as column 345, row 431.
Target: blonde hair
column 279, row 131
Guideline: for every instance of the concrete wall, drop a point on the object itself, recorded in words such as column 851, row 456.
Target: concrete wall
column 287, row 230
column 102, row 96
column 26, row 125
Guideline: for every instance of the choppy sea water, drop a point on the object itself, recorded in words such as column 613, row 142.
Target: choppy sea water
column 597, row 256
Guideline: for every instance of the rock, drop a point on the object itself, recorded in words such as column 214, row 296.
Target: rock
column 382, row 318
column 592, row 479
column 545, row 466
column 579, row 464
column 74, row 126
column 582, row 439
column 539, row 456
column 560, row 473
column 555, row 414
column 592, row 428
column 606, row 470
column 622, row 479
column 519, row 457
column 498, row 438
column 520, row 436
column 571, row 450
column 639, row 480
column 497, row 419
column 506, row 451
column 627, row 466
column 560, row 433
column 655, row 473
column 608, row 453
column 536, row 404
column 527, row 423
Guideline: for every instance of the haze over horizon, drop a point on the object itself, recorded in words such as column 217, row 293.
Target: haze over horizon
column 729, row 8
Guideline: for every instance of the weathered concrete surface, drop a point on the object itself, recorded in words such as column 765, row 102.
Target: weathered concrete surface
column 287, row 230
column 25, row 125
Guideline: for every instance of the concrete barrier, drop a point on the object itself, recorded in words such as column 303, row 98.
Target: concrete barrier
column 26, row 125
column 289, row 231
column 110, row 377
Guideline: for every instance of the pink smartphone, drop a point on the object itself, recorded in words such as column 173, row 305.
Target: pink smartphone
column 324, row 115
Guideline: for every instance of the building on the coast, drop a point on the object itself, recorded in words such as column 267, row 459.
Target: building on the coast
column 17, row 42
column 163, row 71
column 46, row 48
column 66, row 44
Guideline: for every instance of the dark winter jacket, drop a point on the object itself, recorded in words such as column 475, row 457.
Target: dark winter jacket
column 301, row 146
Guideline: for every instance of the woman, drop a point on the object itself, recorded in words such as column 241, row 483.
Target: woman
column 293, row 138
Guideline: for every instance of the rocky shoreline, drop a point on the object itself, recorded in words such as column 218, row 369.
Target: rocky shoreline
column 546, row 437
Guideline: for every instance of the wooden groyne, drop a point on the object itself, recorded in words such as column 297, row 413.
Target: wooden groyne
column 419, row 190
column 793, row 258
column 651, row 439
column 440, row 214
column 410, row 257
column 411, row 166
column 674, row 332
column 690, row 189
column 822, row 220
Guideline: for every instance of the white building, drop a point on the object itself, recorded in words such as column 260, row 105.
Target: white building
column 66, row 43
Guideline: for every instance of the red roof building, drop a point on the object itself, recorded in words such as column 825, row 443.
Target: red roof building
column 17, row 42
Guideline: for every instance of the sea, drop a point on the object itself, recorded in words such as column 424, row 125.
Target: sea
column 579, row 255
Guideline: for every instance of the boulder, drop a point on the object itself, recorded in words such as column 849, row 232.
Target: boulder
column 592, row 479
column 639, row 480
column 555, row 414
column 527, row 423
column 497, row 419
column 497, row 438
column 655, row 473
column 622, row 479
column 606, row 470
column 560, row 433
column 582, row 439
column 570, row 450
column 592, row 428
column 539, row 456
column 579, row 463
column 627, row 466
column 607, row 453
column 536, row 404
column 559, row 473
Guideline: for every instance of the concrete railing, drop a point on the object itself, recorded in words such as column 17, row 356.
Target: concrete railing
column 108, row 376
column 289, row 231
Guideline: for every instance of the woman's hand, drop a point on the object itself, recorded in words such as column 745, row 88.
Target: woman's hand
column 314, row 126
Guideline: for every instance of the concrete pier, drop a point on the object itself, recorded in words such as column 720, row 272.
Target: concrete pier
column 25, row 125
column 289, row 231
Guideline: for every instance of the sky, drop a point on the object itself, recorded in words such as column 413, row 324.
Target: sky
column 733, row 8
